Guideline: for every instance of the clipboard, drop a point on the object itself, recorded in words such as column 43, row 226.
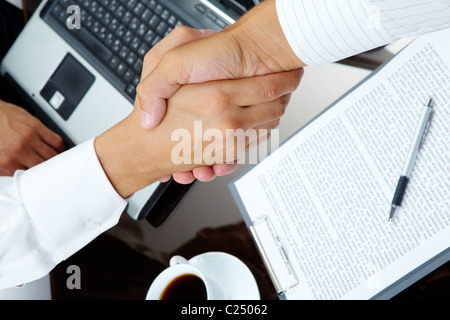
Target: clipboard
column 264, row 234
column 260, row 226
column 273, row 255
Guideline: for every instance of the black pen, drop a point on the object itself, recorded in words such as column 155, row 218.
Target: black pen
column 419, row 134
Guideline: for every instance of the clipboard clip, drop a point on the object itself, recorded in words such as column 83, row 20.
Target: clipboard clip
column 273, row 254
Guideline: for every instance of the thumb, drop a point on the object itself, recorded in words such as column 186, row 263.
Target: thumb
column 155, row 109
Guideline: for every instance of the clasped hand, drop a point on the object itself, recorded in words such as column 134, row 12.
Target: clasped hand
column 253, row 46
column 134, row 157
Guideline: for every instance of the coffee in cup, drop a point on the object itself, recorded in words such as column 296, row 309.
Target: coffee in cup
column 185, row 287
column 182, row 281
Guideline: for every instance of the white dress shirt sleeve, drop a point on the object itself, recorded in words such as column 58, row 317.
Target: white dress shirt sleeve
column 323, row 31
column 50, row 211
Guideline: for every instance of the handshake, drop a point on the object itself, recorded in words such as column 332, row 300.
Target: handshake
column 195, row 80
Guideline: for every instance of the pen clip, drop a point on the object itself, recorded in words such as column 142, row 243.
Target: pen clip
column 425, row 132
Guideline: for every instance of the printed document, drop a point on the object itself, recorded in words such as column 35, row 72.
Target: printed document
column 328, row 189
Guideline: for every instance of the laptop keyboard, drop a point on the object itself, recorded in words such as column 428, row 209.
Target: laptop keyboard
column 120, row 32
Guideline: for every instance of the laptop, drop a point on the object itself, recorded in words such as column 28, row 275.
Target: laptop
column 81, row 79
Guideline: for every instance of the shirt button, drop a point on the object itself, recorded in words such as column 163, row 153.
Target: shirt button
column 92, row 224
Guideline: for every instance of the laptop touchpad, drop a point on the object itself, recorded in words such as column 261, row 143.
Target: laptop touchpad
column 67, row 86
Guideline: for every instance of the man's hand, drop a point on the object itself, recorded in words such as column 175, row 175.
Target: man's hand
column 255, row 45
column 179, row 37
column 134, row 157
column 24, row 140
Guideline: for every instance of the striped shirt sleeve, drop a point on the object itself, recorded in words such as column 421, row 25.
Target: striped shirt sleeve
column 323, row 31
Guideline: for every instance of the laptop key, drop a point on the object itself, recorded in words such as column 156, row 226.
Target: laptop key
column 121, row 30
column 120, row 12
column 128, row 75
column 131, row 58
column 152, row 4
column 134, row 24
column 156, row 40
column 149, row 36
column 117, row 45
column 165, row 14
column 121, row 67
column 146, row 15
column 131, row 91
column 135, row 44
column 142, row 30
column 114, row 62
column 109, row 41
column 169, row 30
column 143, row 49
column 94, row 45
column 159, row 9
column 135, row 81
column 154, row 21
column 138, row 9
column 124, row 53
column 162, row 27
column 114, row 25
column 128, row 37
column 127, row 17
column 137, row 67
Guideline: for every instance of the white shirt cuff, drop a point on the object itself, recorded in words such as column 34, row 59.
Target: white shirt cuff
column 70, row 199
column 323, row 31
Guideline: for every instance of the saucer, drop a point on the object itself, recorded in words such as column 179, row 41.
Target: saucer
column 229, row 273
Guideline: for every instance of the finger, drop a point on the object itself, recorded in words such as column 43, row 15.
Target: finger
column 261, row 135
column 9, row 164
column 267, row 127
column 262, row 89
column 204, row 174
column 224, row 169
column 44, row 149
column 259, row 143
column 260, row 114
column 184, row 177
column 152, row 91
column 9, row 171
column 29, row 158
column 166, row 178
column 49, row 137
column 41, row 147
column 265, row 131
column 35, row 151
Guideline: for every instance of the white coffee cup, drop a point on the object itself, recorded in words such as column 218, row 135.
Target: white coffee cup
column 179, row 267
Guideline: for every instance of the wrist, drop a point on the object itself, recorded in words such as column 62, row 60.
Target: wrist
column 262, row 42
column 126, row 159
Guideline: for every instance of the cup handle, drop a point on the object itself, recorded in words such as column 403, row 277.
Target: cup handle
column 177, row 260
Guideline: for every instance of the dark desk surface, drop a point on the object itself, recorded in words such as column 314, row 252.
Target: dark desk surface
column 123, row 267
